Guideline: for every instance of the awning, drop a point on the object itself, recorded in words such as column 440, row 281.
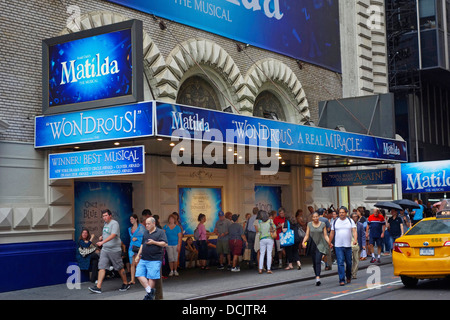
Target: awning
column 179, row 122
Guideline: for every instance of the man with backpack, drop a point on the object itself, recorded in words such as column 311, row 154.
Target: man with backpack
column 343, row 229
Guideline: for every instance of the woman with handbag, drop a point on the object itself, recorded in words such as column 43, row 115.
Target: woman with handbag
column 136, row 232
column 292, row 251
column 267, row 234
column 317, row 240
column 86, row 254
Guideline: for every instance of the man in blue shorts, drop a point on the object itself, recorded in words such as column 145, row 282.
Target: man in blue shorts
column 149, row 257
column 376, row 226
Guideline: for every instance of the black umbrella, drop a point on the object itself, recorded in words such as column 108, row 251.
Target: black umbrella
column 406, row 204
column 387, row 205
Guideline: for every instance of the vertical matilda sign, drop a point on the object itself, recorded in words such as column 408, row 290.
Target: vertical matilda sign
column 92, row 68
column 420, row 177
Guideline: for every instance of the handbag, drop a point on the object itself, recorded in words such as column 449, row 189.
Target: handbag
column 85, row 251
column 247, row 254
column 287, row 238
column 301, row 232
column 273, row 233
column 135, row 249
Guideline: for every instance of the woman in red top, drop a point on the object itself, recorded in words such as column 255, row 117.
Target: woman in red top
column 279, row 221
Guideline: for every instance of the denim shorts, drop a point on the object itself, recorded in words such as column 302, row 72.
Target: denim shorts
column 149, row 269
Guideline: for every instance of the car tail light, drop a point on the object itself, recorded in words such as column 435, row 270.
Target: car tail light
column 399, row 245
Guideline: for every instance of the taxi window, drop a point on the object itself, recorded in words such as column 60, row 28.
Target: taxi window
column 431, row 227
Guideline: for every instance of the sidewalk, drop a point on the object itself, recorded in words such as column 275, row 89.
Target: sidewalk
column 192, row 284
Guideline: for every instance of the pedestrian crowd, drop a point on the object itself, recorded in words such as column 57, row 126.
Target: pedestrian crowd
column 265, row 240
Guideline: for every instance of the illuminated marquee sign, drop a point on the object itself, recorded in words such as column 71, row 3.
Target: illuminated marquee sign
column 103, row 124
column 93, row 68
column 97, row 163
column 358, row 177
column 203, row 124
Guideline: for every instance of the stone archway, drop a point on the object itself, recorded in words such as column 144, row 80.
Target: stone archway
column 260, row 76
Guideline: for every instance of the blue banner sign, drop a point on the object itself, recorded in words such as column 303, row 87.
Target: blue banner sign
column 207, row 125
column 423, row 177
column 303, row 29
column 358, row 177
column 97, row 163
column 94, row 125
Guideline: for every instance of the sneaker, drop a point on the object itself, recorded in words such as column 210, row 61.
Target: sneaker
column 151, row 295
column 124, row 287
column 379, row 260
column 171, row 273
column 220, row 267
column 95, row 289
column 235, row 269
column 373, row 260
column 175, row 273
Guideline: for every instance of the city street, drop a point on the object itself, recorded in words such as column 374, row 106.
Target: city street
column 389, row 288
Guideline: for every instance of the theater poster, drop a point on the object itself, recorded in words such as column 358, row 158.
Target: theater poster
column 92, row 197
column 268, row 198
column 193, row 201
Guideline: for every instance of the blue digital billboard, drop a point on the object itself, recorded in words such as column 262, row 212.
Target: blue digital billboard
column 425, row 177
column 97, row 163
column 303, row 29
column 92, row 68
column 103, row 124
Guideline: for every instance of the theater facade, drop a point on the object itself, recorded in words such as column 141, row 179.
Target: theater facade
column 130, row 106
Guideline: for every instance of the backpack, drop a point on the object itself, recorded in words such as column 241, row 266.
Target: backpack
column 334, row 222
column 196, row 234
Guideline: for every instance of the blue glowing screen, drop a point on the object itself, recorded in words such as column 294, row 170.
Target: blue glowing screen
column 88, row 69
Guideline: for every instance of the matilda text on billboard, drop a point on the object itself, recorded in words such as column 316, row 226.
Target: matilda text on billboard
column 432, row 176
column 91, row 68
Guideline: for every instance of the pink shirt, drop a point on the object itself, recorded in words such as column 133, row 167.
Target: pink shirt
column 201, row 231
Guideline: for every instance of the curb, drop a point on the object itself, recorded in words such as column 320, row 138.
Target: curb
column 262, row 286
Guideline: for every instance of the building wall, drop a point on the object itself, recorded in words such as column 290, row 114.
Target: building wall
column 32, row 208
column 364, row 72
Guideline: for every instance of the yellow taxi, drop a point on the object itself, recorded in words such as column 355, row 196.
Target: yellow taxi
column 424, row 251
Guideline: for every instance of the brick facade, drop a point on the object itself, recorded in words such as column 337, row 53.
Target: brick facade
column 25, row 23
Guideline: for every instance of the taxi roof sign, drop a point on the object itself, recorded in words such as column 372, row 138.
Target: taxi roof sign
column 443, row 207
column 443, row 214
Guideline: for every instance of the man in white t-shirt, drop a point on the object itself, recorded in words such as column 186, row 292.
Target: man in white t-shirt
column 343, row 231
